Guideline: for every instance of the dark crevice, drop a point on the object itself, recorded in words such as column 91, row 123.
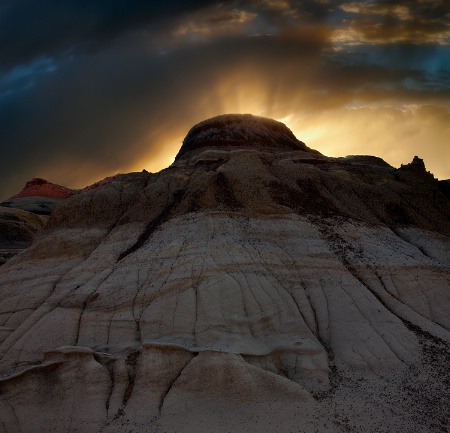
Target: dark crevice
column 154, row 224
column 131, row 364
column 334, row 376
column 304, row 200
column 111, row 389
column 194, row 201
column 172, row 383
column 19, row 429
column 301, row 314
column 120, row 219
column 225, row 194
column 79, row 322
column 109, row 365
column 313, row 309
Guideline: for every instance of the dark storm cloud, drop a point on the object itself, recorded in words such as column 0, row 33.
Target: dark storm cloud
column 100, row 108
column 30, row 28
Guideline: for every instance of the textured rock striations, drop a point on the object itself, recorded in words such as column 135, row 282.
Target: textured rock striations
column 17, row 230
column 254, row 285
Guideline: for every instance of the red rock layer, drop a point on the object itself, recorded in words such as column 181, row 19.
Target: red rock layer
column 43, row 188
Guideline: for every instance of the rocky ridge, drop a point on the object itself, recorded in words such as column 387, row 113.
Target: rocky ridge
column 38, row 187
column 254, row 285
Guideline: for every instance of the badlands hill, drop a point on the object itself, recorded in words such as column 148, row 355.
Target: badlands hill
column 253, row 286
column 39, row 196
column 25, row 213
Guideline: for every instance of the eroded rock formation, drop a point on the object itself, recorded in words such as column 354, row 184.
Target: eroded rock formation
column 39, row 196
column 17, row 230
column 38, row 187
column 254, row 285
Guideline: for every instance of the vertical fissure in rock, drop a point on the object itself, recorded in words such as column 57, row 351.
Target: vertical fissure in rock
column 172, row 383
column 224, row 193
column 109, row 365
column 154, row 224
column 334, row 376
column 131, row 363
column 130, row 205
column 79, row 322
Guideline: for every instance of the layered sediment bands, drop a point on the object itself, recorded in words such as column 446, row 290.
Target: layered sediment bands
column 241, row 130
column 18, row 228
column 239, row 289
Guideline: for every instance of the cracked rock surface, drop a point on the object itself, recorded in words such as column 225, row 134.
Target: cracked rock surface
column 255, row 285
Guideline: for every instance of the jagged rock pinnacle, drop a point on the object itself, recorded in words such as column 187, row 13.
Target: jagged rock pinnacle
column 240, row 130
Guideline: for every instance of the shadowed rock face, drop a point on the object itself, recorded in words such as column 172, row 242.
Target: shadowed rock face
column 244, row 288
column 240, row 130
column 17, row 230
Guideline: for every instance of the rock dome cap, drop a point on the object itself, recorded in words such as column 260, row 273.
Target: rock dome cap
column 240, row 130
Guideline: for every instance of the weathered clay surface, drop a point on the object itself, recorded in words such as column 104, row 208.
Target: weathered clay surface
column 17, row 230
column 246, row 288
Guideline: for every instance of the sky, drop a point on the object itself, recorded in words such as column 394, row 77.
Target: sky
column 89, row 88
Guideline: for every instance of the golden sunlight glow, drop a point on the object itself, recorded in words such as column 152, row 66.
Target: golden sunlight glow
column 395, row 134
column 160, row 158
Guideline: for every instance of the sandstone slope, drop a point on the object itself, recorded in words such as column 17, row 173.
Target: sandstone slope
column 255, row 285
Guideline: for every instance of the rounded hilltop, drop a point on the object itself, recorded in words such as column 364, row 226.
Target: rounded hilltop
column 240, row 130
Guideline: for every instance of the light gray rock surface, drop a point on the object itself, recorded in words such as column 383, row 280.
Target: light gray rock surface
column 248, row 287
column 36, row 204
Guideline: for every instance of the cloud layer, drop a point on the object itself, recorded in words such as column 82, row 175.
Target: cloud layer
column 94, row 88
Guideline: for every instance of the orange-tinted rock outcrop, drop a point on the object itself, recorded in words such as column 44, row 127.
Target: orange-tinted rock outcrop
column 38, row 187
